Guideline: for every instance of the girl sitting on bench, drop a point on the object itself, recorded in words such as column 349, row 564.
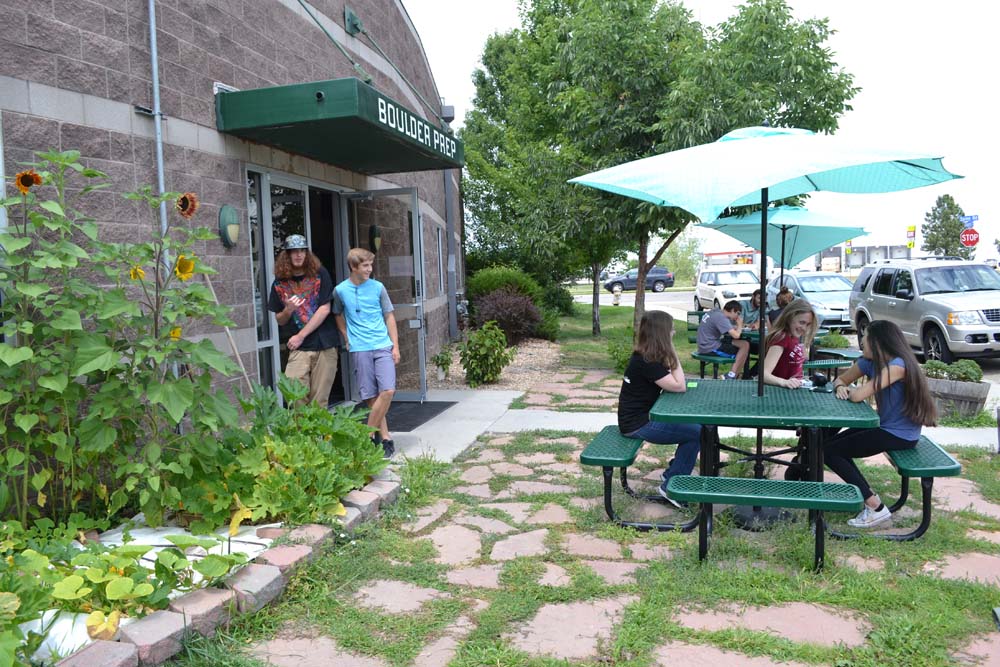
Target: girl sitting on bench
column 788, row 343
column 654, row 367
column 904, row 406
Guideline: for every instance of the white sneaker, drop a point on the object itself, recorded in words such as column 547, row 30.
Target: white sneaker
column 730, row 375
column 869, row 518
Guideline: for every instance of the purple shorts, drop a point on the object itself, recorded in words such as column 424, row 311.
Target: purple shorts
column 374, row 372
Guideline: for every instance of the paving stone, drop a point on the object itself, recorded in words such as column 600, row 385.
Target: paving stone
column 489, row 456
column 680, row 654
column 480, row 576
column 484, row 524
column 387, row 491
column 957, row 493
column 572, row 631
column 388, row 474
column 615, row 573
column 475, row 490
column 156, row 637
column 287, row 557
column 501, row 440
column 365, row 502
column 396, row 597
column 984, row 568
column 426, row 516
column 516, row 546
column 586, row 503
column 205, row 609
column 535, row 398
column 593, row 377
column 351, row 520
column 550, row 514
column 565, row 440
column 456, row 545
column 519, row 512
column 103, row 654
column 988, row 535
column 588, row 393
column 565, row 468
column 561, row 388
column 647, row 552
column 985, row 651
column 311, row 534
column 594, row 402
column 255, row 586
column 862, row 564
column 438, row 653
column 531, row 488
column 310, row 652
column 794, row 621
column 595, row 547
column 655, row 512
column 554, row 576
column 272, row 532
column 538, row 457
column 477, row 475
column 511, row 469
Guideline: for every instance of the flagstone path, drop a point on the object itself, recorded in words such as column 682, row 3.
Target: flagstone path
column 520, row 508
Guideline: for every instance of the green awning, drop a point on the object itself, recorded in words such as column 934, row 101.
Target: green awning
column 344, row 122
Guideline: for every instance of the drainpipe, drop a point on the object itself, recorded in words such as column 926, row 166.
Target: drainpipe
column 154, row 66
column 449, row 219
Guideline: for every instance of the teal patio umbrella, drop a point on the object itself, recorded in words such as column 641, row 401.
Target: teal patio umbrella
column 757, row 165
column 793, row 232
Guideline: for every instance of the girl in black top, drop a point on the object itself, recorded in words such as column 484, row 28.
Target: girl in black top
column 652, row 369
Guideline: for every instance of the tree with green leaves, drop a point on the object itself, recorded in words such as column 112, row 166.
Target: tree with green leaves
column 942, row 229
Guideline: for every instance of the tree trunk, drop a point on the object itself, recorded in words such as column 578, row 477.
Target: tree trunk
column 595, row 276
column 640, row 284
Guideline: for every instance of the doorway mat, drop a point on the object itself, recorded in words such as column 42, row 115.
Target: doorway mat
column 405, row 416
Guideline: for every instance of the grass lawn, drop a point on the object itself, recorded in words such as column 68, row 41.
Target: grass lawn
column 588, row 289
column 913, row 617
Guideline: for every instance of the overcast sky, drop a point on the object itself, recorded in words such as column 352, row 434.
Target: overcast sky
column 927, row 70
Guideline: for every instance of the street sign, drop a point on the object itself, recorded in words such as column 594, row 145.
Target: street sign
column 969, row 224
column 968, row 218
column 969, row 237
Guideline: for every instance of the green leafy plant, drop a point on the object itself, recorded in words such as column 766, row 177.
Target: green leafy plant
column 96, row 379
column 548, row 328
column 833, row 340
column 963, row 370
column 620, row 348
column 484, row 355
column 494, row 278
column 444, row 358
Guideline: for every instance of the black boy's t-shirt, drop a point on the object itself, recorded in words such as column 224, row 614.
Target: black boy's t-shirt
column 315, row 292
column 639, row 392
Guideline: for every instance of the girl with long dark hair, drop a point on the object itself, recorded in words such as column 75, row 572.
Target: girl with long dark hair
column 652, row 369
column 905, row 405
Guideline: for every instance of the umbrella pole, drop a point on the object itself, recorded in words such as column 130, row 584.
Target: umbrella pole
column 781, row 278
column 762, row 317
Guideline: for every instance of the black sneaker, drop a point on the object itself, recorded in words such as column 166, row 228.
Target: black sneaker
column 679, row 504
column 388, row 448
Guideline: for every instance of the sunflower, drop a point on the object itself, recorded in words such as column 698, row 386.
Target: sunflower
column 187, row 204
column 184, row 268
column 175, row 333
column 136, row 273
column 25, row 180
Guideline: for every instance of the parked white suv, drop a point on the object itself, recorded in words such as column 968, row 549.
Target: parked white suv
column 718, row 285
column 947, row 307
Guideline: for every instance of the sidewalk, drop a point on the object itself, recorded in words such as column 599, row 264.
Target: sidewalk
column 485, row 411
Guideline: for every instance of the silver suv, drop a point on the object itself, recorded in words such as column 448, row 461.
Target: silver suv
column 947, row 307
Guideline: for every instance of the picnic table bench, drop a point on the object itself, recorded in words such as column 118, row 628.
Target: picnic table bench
column 693, row 321
column 925, row 461
column 815, row 496
column 609, row 450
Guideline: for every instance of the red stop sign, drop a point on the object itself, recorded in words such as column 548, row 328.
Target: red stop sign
column 969, row 237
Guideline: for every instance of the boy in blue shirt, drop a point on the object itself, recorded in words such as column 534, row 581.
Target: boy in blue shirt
column 368, row 328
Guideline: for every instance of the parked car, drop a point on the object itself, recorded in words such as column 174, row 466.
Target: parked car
column 657, row 279
column 828, row 293
column 718, row 285
column 947, row 307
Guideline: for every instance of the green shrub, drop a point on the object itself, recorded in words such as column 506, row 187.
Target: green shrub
column 620, row 348
column 443, row 358
column 548, row 328
column 935, row 369
column 558, row 298
column 511, row 310
column 963, row 370
column 484, row 355
column 498, row 277
column 833, row 340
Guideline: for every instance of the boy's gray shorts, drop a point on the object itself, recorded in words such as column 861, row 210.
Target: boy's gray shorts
column 374, row 372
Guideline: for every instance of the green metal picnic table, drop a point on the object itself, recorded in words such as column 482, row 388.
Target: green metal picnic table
column 714, row 403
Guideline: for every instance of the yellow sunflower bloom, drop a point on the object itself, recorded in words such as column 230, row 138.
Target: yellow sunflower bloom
column 27, row 179
column 187, row 204
column 136, row 273
column 184, row 268
column 175, row 333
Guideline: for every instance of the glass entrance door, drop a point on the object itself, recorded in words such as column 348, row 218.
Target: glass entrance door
column 387, row 222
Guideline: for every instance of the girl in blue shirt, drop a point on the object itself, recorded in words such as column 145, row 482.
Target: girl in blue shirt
column 904, row 406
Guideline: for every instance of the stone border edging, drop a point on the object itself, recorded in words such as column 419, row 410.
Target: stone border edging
column 156, row 638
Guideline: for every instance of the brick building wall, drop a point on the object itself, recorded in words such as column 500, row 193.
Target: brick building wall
column 72, row 73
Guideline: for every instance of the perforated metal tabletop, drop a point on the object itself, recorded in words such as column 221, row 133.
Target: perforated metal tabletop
column 735, row 403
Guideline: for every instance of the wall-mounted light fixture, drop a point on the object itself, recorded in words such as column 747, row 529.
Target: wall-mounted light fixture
column 374, row 238
column 229, row 226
